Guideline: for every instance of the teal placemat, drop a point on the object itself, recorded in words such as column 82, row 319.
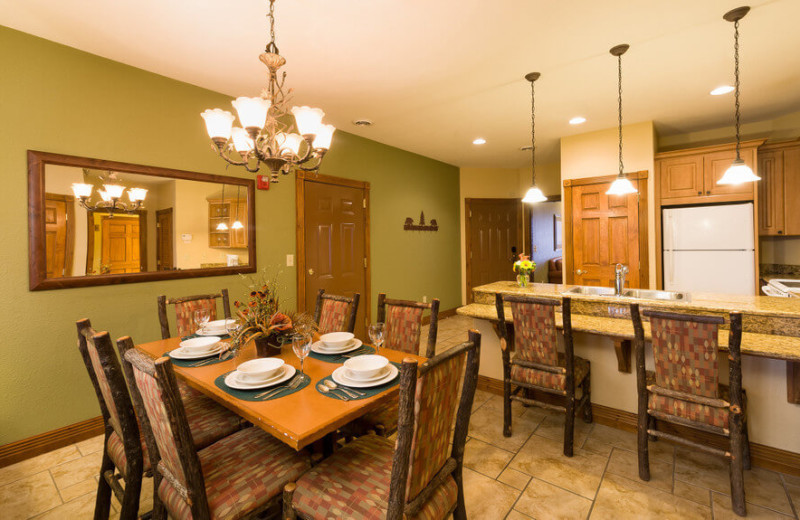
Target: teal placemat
column 341, row 358
column 251, row 395
column 368, row 392
column 191, row 363
column 190, row 336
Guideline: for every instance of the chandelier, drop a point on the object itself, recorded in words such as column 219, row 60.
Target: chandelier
column 110, row 197
column 267, row 134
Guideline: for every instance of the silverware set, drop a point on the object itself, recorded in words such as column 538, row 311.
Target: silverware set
column 291, row 385
column 346, row 394
column 208, row 361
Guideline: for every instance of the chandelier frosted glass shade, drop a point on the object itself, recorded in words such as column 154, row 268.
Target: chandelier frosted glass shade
column 218, row 123
column 308, row 119
column 241, row 140
column 534, row 195
column 738, row 173
column 137, row 194
column 324, row 137
column 82, row 190
column 252, row 111
column 621, row 186
column 110, row 197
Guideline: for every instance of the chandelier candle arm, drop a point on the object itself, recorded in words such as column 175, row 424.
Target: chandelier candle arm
column 534, row 194
column 621, row 185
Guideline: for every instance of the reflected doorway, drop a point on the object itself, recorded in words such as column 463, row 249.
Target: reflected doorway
column 116, row 244
column 59, row 222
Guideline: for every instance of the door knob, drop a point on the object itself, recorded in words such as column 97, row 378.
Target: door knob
column 311, row 272
column 580, row 272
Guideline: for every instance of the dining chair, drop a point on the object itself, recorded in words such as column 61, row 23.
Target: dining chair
column 537, row 365
column 239, row 476
column 684, row 389
column 416, row 477
column 334, row 313
column 184, row 311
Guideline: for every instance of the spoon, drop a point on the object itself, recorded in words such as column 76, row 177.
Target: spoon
column 324, row 389
column 352, row 393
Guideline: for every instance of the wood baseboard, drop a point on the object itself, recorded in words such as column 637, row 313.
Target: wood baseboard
column 442, row 315
column 763, row 456
column 48, row 441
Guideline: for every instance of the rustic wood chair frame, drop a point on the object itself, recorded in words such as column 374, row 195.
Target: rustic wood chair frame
column 739, row 453
column 163, row 301
column 353, row 302
column 433, row 330
column 567, row 396
column 399, row 507
column 130, row 435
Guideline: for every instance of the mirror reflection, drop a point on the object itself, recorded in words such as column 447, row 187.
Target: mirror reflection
column 111, row 222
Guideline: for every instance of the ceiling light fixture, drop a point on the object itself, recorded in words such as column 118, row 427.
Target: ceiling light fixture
column 577, row 120
column 110, row 197
column 739, row 172
column 534, row 194
column 724, row 89
column 266, row 135
column 621, row 185
column 479, row 140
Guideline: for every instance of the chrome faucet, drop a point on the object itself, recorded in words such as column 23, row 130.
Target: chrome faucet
column 619, row 279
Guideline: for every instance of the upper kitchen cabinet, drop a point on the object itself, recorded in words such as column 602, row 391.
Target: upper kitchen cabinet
column 779, row 168
column 690, row 176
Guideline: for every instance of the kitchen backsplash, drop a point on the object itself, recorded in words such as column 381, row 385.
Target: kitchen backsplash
column 788, row 269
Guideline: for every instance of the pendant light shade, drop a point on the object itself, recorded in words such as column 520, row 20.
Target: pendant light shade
column 533, row 194
column 621, row 185
column 739, row 172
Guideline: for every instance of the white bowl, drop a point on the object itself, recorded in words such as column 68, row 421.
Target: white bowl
column 365, row 367
column 199, row 345
column 337, row 339
column 260, row 369
column 218, row 324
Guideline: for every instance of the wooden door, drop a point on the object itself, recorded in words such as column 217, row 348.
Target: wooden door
column 59, row 234
column 681, row 176
column 791, row 188
column 493, row 240
column 333, row 246
column 120, row 245
column 717, row 163
column 770, row 193
column 605, row 230
column 164, row 240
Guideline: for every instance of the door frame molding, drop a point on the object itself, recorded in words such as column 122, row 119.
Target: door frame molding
column 644, row 245
column 468, row 228
column 300, row 246
column 159, row 213
column 69, row 247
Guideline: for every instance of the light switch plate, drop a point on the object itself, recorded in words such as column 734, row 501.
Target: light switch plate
column 289, row 260
column 186, row 237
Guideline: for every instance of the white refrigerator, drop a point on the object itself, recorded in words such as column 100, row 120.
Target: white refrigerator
column 709, row 249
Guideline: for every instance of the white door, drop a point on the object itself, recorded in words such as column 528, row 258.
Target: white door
column 722, row 272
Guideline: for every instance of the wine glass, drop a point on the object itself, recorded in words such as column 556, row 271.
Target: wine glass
column 201, row 319
column 232, row 326
column 376, row 335
column 301, row 344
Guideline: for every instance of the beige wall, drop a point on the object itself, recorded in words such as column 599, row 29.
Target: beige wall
column 596, row 154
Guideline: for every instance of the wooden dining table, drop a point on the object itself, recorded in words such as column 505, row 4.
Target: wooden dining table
column 297, row 419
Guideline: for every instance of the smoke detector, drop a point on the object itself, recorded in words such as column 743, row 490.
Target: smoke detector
column 362, row 122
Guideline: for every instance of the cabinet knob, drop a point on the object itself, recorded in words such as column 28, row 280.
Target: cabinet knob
column 708, row 192
column 780, row 232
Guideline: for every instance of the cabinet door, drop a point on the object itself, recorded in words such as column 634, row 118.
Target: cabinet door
column 770, row 193
column 714, row 167
column 239, row 236
column 681, row 176
column 791, row 187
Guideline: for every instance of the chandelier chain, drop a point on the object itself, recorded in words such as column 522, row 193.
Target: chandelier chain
column 271, row 17
column 619, row 100
column 736, row 79
column 533, row 137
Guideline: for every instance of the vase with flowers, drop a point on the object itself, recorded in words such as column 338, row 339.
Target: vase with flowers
column 524, row 267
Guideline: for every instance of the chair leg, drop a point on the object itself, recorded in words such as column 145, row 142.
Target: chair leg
column 130, row 501
column 288, row 508
column 159, row 510
column 569, row 425
column 460, row 512
column 746, row 447
column 643, row 448
column 652, row 424
column 506, row 408
column 587, row 403
column 737, row 484
column 102, row 503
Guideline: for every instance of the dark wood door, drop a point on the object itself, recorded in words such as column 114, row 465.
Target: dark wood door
column 493, row 240
column 120, row 245
column 164, row 238
column 335, row 244
column 605, row 231
column 59, row 234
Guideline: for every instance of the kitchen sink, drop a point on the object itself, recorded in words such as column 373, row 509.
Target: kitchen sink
column 647, row 294
column 591, row 290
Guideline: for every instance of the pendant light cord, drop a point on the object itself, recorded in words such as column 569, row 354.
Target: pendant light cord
column 619, row 99
column 533, row 138
column 736, row 76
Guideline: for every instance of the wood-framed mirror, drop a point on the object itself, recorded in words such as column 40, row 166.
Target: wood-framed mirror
column 185, row 225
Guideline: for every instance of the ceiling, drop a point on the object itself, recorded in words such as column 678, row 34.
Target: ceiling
column 434, row 75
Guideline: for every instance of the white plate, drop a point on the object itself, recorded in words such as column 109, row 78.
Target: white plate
column 179, row 353
column 341, row 378
column 232, row 380
column 320, row 348
column 383, row 373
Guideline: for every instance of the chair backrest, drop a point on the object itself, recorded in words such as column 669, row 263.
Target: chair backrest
column 184, row 311
column 334, row 313
column 535, row 332
column 168, row 428
column 109, row 383
column 429, row 400
column 402, row 321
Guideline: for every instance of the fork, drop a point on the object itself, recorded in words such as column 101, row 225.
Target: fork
column 355, row 353
column 291, row 385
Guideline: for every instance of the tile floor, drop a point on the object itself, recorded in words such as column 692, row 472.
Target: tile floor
column 516, row 478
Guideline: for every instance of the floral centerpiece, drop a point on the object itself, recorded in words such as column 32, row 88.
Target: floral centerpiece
column 524, row 267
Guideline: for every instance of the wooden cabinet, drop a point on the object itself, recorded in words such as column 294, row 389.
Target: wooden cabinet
column 681, row 176
column 227, row 211
column 717, row 163
column 779, row 168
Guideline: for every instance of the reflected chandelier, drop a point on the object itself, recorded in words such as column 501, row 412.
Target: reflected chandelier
column 267, row 134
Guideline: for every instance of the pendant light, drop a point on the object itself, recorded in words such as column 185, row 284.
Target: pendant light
column 621, row 185
column 738, row 172
column 534, row 194
column 222, row 226
column 237, row 224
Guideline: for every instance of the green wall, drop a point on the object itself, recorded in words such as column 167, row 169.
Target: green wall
column 58, row 99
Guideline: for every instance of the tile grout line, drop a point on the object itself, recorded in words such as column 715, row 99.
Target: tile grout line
column 788, row 496
column 602, row 478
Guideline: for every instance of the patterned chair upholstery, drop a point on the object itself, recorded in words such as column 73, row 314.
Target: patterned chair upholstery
column 238, row 476
column 185, row 308
column 537, row 365
column 417, row 477
column 336, row 313
column 685, row 388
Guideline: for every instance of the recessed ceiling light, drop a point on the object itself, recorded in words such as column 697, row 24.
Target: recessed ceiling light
column 479, row 140
column 577, row 120
column 724, row 89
